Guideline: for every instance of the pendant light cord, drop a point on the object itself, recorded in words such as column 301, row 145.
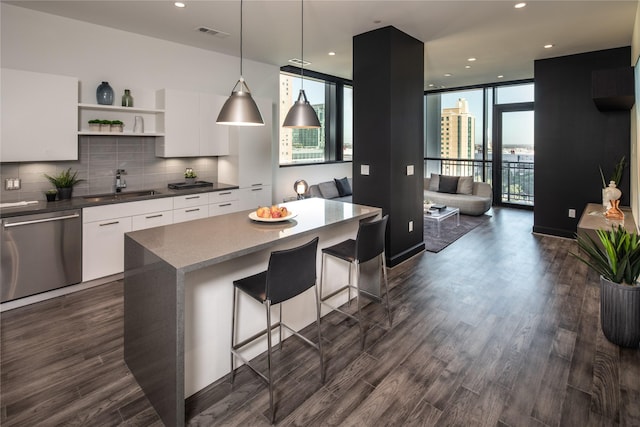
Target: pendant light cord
column 302, row 44
column 241, row 39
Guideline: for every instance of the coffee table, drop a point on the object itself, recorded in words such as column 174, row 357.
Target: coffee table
column 440, row 215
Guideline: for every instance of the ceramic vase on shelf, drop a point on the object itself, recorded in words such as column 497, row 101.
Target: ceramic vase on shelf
column 127, row 99
column 104, row 94
column 610, row 193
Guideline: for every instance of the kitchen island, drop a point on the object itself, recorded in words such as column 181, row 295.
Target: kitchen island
column 178, row 293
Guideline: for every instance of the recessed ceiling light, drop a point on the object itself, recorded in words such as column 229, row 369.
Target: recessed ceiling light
column 467, row 66
column 471, row 59
column 500, row 76
column 332, row 54
column 179, row 4
column 447, row 74
column 519, row 5
column 377, row 21
column 548, row 46
column 430, row 85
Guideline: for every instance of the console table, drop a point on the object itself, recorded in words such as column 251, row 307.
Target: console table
column 593, row 219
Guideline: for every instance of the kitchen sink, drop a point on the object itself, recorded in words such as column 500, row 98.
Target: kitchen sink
column 125, row 195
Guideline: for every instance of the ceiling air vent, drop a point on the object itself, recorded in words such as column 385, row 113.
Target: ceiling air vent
column 212, row 32
column 299, row 62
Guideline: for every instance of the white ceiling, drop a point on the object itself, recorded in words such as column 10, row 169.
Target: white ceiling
column 504, row 40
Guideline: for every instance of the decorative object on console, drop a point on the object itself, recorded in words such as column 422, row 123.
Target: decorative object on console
column 127, row 99
column 104, row 94
column 619, row 267
column 614, row 211
column 190, row 176
column 611, row 192
column 301, row 187
column 64, row 182
column 240, row 109
column 301, row 115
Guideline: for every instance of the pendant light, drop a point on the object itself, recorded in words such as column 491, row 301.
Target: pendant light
column 302, row 115
column 240, row 109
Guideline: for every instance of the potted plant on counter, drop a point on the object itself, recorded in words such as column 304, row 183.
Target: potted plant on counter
column 51, row 194
column 64, row 182
column 190, row 176
column 617, row 260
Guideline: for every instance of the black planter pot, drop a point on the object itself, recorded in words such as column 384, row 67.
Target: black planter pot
column 620, row 313
column 64, row 193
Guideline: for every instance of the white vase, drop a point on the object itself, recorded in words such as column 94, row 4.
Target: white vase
column 610, row 193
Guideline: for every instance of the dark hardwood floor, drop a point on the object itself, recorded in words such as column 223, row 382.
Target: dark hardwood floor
column 499, row 329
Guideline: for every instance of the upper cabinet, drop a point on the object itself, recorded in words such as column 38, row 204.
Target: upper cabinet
column 189, row 125
column 39, row 117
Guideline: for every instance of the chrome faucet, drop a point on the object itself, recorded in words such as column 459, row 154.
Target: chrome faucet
column 120, row 182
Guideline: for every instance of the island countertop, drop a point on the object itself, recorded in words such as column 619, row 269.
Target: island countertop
column 192, row 245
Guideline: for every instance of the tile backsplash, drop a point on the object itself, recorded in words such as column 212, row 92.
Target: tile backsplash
column 98, row 159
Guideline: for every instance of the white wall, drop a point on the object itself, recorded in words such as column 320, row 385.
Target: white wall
column 48, row 43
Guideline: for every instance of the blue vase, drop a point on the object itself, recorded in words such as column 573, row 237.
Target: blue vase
column 104, row 94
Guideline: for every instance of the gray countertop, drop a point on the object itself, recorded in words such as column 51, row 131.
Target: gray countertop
column 196, row 244
column 80, row 202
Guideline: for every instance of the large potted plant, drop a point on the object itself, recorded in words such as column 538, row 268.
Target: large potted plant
column 64, row 182
column 617, row 260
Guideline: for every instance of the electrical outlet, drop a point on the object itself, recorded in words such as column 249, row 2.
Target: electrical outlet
column 12, row 184
column 410, row 226
column 364, row 169
column 572, row 213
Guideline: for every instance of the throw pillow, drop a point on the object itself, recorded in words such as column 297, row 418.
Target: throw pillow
column 344, row 189
column 434, row 183
column 328, row 190
column 465, row 185
column 448, row 184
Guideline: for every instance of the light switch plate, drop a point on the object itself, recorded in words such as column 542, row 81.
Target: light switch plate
column 364, row 169
column 410, row 170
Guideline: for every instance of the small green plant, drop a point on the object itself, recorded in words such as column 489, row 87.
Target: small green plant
column 616, row 176
column 52, row 191
column 95, row 121
column 190, row 173
column 64, row 179
column 116, row 122
column 105, row 122
column 618, row 260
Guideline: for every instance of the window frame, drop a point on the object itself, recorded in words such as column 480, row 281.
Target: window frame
column 334, row 115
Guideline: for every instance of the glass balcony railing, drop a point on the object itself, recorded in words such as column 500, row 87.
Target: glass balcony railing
column 517, row 177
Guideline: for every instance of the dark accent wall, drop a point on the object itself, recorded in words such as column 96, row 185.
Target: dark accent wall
column 388, row 87
column 573, row 138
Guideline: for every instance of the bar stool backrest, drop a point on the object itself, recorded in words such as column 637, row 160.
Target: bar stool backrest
column 370, row 239
column 291, row 272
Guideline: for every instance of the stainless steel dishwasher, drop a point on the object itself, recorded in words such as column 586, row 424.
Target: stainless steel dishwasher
column 40, row 252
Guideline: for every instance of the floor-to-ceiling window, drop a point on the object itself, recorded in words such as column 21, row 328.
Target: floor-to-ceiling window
column 485, row 132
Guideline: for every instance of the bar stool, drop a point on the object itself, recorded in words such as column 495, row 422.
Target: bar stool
column 290, row 273
column 369, row 244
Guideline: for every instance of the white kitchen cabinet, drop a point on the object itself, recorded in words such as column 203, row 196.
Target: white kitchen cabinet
column 103, row 247
column 152, row 219
column 39, row 117
column 190, row 207
column 248, row 164
column 253, row 197
column 190, row 128
column 103, row 232
column 223, row 202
